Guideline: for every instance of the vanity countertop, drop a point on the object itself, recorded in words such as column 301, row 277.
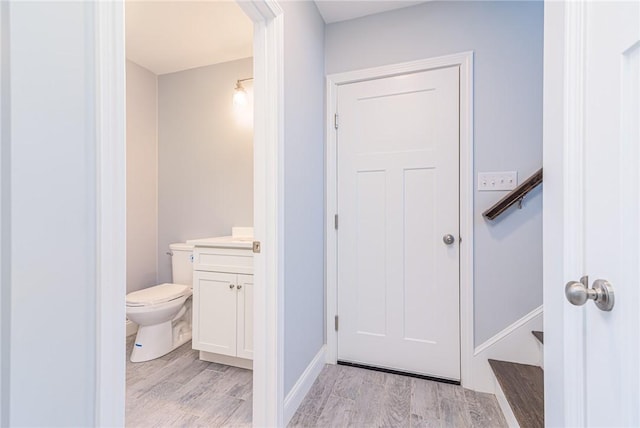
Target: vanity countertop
column 223, row 241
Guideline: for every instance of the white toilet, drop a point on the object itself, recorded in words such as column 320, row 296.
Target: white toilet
column 163, row 312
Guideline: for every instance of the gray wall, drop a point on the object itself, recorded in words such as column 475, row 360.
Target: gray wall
column 507, row 40
column 205, row 157
column 51, row 190
column 142, row 177
column 304, row 187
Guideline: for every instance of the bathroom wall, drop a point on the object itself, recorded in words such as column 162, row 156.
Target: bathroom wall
column 142, row 177
column 205, row 156
column 507, row 39
column 303, row 187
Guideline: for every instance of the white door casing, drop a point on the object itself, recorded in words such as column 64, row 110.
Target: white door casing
column 592, row 212
column 465, row 63
column 398, row 289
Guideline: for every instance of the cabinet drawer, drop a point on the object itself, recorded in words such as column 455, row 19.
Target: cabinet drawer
column 213, row 259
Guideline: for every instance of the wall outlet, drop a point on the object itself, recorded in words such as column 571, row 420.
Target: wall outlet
column 489, row 181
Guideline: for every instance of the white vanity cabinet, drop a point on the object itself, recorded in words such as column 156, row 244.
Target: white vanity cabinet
column 223, row 300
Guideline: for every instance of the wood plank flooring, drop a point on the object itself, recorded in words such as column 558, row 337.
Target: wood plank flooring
column 523, row 387
column 180, row 390
column 344, row 396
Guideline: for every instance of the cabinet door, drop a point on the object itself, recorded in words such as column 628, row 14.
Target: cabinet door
column 245, row 316
column 215, row 312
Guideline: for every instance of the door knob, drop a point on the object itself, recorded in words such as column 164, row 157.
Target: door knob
column 231, row 286
column 239, row 287
column 448, row 239
column 601, row 293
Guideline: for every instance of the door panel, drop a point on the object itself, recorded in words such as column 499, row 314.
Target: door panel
column 245, row 316
column 419, row 250
column 214, row 312
column 371, row 289
column 398, row 195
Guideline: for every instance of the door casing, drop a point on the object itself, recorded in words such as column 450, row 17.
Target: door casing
column 464, row 61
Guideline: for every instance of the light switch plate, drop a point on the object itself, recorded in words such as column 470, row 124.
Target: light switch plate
column 490, row 181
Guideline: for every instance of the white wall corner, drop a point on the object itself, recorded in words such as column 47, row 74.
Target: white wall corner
column 515, row 343
column 303, row 385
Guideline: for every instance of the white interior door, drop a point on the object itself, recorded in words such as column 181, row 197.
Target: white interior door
column 398, row 196
column 609, row 343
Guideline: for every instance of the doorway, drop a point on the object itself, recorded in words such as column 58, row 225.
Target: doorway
column 267, row 385
column 366, row 303
column 189, row 89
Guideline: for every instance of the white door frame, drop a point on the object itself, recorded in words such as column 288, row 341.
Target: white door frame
column 268, row 396
column 465, row 61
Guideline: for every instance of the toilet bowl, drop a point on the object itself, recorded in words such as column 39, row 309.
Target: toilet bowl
column 163, row 316
column 163, row 312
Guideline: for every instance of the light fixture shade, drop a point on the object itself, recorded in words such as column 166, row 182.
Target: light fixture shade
column 240, row 97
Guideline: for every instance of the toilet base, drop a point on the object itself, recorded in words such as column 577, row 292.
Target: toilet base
column 154, row 341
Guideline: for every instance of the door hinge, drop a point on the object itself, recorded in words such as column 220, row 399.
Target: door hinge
column 335, row 120
column 336, row 322
column 335, row 221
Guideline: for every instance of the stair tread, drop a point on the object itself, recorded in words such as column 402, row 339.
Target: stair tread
column 523, row 387
column 539, row 335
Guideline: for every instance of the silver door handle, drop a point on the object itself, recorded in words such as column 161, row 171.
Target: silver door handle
column 448, row 239
column 578, row 293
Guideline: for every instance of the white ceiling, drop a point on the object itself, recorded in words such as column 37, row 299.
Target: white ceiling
column 169, row 36
column 165, row 36
column 342, row 10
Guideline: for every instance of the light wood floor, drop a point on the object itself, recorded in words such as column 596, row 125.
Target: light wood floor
column 178, row 390
column 348, row 396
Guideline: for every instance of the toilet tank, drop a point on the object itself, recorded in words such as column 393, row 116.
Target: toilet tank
column 182, row 263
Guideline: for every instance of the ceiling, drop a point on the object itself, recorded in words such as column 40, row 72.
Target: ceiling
column 342, row 10
column 165, row 36
column 169, row 36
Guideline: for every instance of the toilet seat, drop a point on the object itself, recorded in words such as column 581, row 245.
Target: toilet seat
column 157, row 294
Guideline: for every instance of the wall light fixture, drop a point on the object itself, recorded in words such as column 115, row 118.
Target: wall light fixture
column 240, row 97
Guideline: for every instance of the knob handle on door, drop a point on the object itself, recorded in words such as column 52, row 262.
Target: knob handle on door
column 448, row 239
column 601, row 293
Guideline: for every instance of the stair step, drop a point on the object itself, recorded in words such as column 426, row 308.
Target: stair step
column 523, row 387
column 539, row 335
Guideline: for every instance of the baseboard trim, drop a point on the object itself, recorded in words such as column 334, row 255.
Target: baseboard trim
column 132, row 328
column 515, row 343
column 303, row 385
column 227, row 360
column 507, row 331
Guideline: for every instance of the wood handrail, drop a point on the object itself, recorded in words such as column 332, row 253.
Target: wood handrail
column 516, row 195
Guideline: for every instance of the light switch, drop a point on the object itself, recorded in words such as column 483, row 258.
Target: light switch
column 505, row 180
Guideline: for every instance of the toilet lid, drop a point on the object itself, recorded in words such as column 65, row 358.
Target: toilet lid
column 158, row 294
